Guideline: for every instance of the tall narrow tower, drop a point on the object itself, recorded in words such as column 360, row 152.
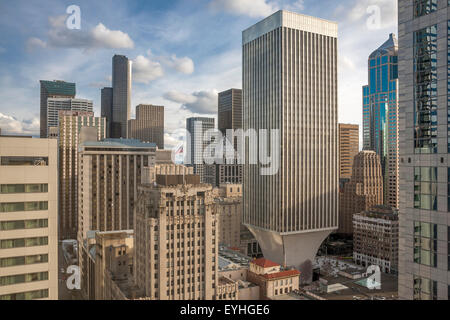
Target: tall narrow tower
column 380, row 114
column 121, row 110
column 290, row 84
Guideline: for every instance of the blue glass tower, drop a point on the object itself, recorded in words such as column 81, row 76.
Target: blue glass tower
column 380, row 114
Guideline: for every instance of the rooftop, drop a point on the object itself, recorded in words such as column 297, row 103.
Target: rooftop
column 264, row 263
column 292, row 20
column 390, row 47
column 282, row 274
column 119, row 143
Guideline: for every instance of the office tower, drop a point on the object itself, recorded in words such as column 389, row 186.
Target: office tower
column 121, row 103
column 114, row 253
column 375, row 238
column 362, row 192
column 424, row 147
column 55, row 105
column 229, row 213
column 230, row 110
column 290, row 84
column 109, row 173
column 53, row 89
column 380, row 114
column 28, row 219
column 176, row 239
column 348, row 149
column 107, row 107
column 197, row 127
column 75, row 127
column 148, row 125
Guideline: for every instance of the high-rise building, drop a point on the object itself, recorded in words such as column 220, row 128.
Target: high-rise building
column 106, row 108
column 229, row 214
column 229, row 115
column 380, row 114
column 375, row 238
column 230, row 110
column 348, row 148
column 109, row 173
column 53, row 89
column 74, row 129
column 362, row 192
column 176, row 240
column 424, row 56
column 290, row 84
column 148, row 125
column 114, row 253
column 197, row 127
column 121, row 103
column 28, row 218
column 56, row 105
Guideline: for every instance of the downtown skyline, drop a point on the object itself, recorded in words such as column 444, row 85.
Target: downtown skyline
column 186, row 66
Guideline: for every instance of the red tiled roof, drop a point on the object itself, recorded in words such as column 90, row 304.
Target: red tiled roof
column 282, row 274
column 264, row 263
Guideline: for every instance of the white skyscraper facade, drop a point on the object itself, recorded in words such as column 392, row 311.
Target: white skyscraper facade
column 290, row 84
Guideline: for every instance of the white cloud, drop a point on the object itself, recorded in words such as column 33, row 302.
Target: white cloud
column 35, row 43
column 106, row 38
column 298, row 5
column 183, row 65
column 202, row 102
column 11, row 125
column 146, row 70
column 99, row 37
column 251, row 8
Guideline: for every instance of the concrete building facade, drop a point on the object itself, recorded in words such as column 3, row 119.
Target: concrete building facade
column 363, row 191
column 28, row 219
column 110, row 172
column 148, row 125
column 53, row 89
column 348, row 149
column 194, row 156
column 177, row 240
column 289, row 83
column 75, row 127
column 56, row 105
column 375, row 238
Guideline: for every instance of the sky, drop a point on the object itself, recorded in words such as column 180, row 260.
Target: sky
column 184, row 51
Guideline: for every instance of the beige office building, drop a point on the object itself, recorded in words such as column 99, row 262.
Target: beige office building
column 290, row 84
column 348, row 148
column 148, row 125
column 229, row 214
column 363, row 191
column 110, row 172
column 28, row 219
column 74, row 128
column 114, row 255
column 176, row 240
column 375, row 239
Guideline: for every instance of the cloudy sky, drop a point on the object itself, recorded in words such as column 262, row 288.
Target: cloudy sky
column 184, row 51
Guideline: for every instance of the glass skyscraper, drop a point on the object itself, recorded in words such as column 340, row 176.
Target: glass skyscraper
column 380, row 111
column 424, row 79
